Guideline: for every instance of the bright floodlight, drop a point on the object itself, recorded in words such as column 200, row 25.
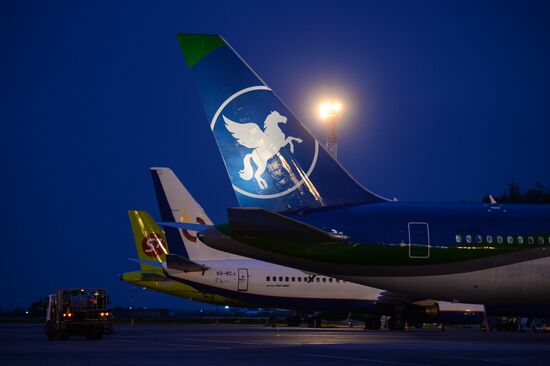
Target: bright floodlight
column 329, row 109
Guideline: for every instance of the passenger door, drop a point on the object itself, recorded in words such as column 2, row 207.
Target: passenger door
column 242, row 274
column 419, row 240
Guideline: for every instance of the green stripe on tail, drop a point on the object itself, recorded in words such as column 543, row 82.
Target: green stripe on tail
column 196, row 46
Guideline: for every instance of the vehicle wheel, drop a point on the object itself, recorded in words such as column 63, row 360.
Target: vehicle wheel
column 49, row 333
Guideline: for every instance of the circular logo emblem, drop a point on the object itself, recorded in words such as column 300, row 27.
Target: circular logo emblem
column 192, row 238
column 267, row 152
column 154, row 245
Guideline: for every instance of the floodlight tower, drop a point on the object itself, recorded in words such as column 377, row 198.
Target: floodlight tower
column 330, row 114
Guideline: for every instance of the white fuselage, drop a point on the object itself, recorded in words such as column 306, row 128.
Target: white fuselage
column 248, row 276
column 521, row 283
column 271, row 285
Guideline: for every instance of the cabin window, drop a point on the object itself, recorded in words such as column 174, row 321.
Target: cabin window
column 317, row 279
column 510, row 240
column 541, row 240
column 520, row 239
column 530, row 240
column 324, row 279
column 479, row 239
column 468, row 239
column 458, row 238
column 280, row 279
column 330, row 280
column 306, row 279
column 499, row 239
column 286, row 279
column 489, row 239
column 293, row 279
column 299, row 279
column 268, row 278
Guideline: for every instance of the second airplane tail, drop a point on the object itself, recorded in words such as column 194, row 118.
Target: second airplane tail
column 150, row 241
column 176, row 204
column 273, row 161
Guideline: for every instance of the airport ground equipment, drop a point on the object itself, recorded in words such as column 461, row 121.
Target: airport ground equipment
column 78, row 312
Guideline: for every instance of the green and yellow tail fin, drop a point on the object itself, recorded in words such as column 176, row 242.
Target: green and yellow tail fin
column 150, row 240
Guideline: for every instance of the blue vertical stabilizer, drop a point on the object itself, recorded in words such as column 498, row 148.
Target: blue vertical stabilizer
column 273, row 161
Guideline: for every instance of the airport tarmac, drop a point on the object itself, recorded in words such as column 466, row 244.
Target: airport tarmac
column 257, row 345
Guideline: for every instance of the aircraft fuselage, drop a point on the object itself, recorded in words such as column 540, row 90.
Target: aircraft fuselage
column 480, row 253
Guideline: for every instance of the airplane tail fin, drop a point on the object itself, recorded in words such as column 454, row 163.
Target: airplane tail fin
column 150, row 241
column 177, row 205
column 273, row 161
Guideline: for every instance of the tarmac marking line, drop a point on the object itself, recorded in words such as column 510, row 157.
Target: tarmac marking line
column 503, row 362
column 226, row 341
column 201, row 347
column 349, row 358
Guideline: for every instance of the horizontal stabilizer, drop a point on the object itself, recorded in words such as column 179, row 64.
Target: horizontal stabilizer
column 145, row 261
column 141, row 276
column 257, row 222
column 183, row 264
column 186, row 226
column 151, row 276
column 395, row 297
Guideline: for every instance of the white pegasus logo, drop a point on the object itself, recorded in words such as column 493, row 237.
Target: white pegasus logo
column 266, row 144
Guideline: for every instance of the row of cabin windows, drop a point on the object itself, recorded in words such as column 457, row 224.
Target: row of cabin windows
column 469, row 239
column 302, row 279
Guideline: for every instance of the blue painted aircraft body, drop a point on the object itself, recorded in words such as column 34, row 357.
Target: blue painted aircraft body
column 301, row 208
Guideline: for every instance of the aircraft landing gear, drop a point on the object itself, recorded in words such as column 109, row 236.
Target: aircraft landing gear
column 314, row 321
column 294, row 320
column 271, row 321
column 396, row 322
column 372, row 323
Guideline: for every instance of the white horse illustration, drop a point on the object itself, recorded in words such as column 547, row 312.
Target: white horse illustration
column 266, row 144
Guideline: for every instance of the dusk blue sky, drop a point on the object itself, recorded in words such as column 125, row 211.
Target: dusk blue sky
column 444, row 101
